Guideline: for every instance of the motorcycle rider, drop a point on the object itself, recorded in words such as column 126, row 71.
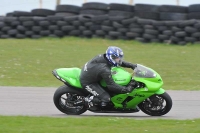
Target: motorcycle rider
column 99, row 68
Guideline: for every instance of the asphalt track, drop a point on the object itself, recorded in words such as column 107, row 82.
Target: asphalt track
column 38, row 101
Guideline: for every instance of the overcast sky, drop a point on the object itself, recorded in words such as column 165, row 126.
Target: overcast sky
column 27, row 5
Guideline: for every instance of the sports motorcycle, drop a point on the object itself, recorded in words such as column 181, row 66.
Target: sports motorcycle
column 148, row 96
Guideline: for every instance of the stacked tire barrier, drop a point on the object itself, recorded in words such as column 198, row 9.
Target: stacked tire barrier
column 142, row 22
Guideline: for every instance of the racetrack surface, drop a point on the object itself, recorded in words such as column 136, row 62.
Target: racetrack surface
column 38, row 101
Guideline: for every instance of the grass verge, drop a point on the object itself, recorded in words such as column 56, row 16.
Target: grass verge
column 29, row 62
column 20, row 124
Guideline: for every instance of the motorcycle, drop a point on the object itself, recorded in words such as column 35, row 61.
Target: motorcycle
column 148, row 96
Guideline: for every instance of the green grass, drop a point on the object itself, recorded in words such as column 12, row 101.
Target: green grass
column 95, row 124
column 29, row 62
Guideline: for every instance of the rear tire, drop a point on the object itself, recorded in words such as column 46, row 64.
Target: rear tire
column 63, row 98
column 149, row 108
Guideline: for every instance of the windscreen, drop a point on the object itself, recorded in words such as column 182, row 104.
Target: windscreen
column 145, row 72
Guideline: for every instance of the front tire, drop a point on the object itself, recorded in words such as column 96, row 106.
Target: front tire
column 157, row 105
column 64, row 97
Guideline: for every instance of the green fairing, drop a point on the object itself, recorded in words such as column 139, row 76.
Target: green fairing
column 152, row 80
column 71, row 75
column 120, row 76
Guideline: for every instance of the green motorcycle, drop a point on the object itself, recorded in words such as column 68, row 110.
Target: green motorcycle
column 148, row 96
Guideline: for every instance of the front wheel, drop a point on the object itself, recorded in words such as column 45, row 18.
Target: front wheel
column 64, row 97
column 157, row 105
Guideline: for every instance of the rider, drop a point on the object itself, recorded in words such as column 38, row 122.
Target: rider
column 100, row 68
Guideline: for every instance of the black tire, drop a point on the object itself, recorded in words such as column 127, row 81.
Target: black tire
column 149, row 36
column 107, row 23
column 70, row 18
column 22, row 13
column 173, row 8
column 58, row 33
column 37, row 28
column 162, row 28
column 190, row 29
column 61, row 23
column 15, row 23
column 21, row 28
column 133, row 35
column 54, row 18
column 65, row 14
column 100, row 33
column 158, row 23
column 38, row 19
column 93, row 12
column 67, row 28
column 147, row 15
column 140, row 39
column 2, row 24
column 147, row 8
column 180, row 34
column 197, row 25
column 4, row 36
column 121, row 7
column 123, row 30
column 87, row 33
column 45, row 32
column 194, row 15
column 197, row 34
column 20, row 36
column 88, row 24
column 117, row 25
column 75, row 32
column 165, row 110
column 152, row 32
column 6, row 28
column 173, row 16
column 135, row 25
column 194, row 8
column 176, row 29
column 25, row 18
column 187, row 23
column 12, row 32
column 82, row 28
column 29, row 33
column 149, row 27
column 36, row 36
column 100, row 18
column 129, row 21
column 44, row 23
column 155, row 41
column 42, row 12
column 95, row 27
column 107, row 28
column 121, row 13
column 10, row 19
column 57, row 98
column 95, row 5
column 163, row 37
column 172, row 23
column 115, row 34
column 175, row 39
column 28, row 23
column 76, row 23
column 190, row 39
column 117, row 18
column 53, row 27
column 145, row 21
column 137, row 30
column 168, row 32
column 68, row 8
column 85, row 18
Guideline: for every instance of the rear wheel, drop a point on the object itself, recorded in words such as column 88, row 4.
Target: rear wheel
column 64, row 99
column 157, row 105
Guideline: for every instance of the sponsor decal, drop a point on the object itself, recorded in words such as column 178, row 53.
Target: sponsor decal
column 91, row 91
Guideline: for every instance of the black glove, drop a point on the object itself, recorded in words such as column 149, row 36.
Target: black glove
column 133, row 66
column 132, row 85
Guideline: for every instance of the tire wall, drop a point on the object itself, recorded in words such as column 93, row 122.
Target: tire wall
column 141, row 22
